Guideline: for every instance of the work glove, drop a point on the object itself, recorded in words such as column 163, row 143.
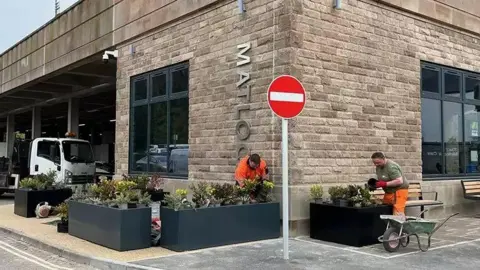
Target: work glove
column 381, row 184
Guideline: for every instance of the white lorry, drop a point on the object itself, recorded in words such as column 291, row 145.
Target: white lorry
column 72, row 159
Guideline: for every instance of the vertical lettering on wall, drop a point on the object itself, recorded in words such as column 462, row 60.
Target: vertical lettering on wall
column 243, row 127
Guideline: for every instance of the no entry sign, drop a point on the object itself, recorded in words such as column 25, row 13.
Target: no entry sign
column 286, row 96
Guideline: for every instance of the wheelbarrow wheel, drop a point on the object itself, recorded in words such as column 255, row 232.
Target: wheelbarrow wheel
column 389, row 244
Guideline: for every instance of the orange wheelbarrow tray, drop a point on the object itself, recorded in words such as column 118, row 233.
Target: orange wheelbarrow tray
column 399, row 229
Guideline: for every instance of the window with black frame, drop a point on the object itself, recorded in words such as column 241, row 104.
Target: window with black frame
column 450, row 117
column 159, row 122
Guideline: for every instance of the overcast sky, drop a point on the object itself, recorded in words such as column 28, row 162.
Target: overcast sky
column 19, row 18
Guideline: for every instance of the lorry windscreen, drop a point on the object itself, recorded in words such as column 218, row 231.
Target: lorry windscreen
column 77, row 152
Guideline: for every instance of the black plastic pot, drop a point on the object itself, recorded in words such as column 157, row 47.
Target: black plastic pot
column 26, row 200
column 118, row 229
column 62, row 227
column 157, row 196
column 352, row 226
column 217, row 226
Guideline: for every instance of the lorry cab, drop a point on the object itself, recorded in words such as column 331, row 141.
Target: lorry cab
column 72, row 159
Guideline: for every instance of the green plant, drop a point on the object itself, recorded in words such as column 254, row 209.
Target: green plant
column 177, row 200
column 224, row 194
column 265, row 194
column 124, row 186
column 144, row 198
column 242, row 193
column 337, row 192
column 316, row 192
column 31, row 183
column 62, row 211
column 139, row 180
column 47, row 179
column 122, row 198
column 200, row 196
column 105, row 190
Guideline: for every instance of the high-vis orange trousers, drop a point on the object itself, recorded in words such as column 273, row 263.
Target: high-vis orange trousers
column 398, row 200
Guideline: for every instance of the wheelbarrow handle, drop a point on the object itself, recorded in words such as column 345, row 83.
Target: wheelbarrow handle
column 443, row 222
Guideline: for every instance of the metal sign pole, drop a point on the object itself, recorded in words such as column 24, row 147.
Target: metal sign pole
column 285, row 186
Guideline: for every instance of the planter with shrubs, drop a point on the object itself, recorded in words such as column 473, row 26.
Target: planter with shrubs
column 352, row 218
column 113, row 213
column 219, row 214
column 37, row 189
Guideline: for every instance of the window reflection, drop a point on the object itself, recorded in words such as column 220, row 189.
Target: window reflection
column 453, row 137
column 472, row 142
column 431, row 137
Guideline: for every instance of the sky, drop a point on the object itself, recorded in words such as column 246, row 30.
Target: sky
column 19, row 18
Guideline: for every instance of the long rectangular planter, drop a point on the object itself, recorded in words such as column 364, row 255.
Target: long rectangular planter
column 118, row 229
column 217, row 226
column 350, row 226
column 27, row 200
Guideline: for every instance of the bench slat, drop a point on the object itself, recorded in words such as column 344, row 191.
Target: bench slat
column 473, row 191
column 472, row 187
column 471, row 183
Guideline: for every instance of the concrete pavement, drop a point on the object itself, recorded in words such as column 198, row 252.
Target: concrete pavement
column 16, row 254
column 454, row 246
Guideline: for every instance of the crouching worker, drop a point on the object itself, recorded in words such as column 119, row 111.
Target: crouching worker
column 252, row 168
column 391, row 179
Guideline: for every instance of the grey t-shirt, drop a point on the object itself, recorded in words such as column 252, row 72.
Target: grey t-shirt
column 389, row 172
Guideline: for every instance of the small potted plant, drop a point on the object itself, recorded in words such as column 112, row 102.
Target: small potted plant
column 338, row 195
column 155, row 188
column 178, row 200
column 316, row 193
column 200, row 194
column 62, row 213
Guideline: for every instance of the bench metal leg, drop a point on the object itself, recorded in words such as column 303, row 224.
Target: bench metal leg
column 422, row 215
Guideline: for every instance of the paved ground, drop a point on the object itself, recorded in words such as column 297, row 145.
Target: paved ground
column 15, row 254
column 6, row 199
column 455, row 246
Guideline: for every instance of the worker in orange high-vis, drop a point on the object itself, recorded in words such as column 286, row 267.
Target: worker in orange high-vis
column 251, row 167
column 390, row 177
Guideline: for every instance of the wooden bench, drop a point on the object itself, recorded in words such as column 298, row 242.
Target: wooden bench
column 471, row 189
column 415, row 197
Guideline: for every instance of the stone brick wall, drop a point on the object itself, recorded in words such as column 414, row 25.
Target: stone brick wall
column 361, row 68
column 208, row 40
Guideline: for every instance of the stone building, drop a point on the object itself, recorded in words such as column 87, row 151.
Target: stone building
column 398, row 76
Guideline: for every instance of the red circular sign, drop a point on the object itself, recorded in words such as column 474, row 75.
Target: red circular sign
column 286, row 96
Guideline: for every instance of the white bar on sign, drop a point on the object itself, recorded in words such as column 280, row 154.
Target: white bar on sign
column 288, row 97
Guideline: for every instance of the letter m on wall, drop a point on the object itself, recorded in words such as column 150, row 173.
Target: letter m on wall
column 241, row 55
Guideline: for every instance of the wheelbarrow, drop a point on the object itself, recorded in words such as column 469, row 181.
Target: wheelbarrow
column 399, row 229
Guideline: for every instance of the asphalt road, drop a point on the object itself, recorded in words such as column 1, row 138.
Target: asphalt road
column 16, row 254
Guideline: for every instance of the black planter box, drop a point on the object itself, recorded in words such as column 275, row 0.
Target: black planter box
column 118, row 229
column 27, row 200
column 217, row 226
column 352, row 226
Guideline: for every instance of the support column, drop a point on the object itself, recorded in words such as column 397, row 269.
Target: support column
column 73, row 116
column 10, row 138
column 36, row 122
